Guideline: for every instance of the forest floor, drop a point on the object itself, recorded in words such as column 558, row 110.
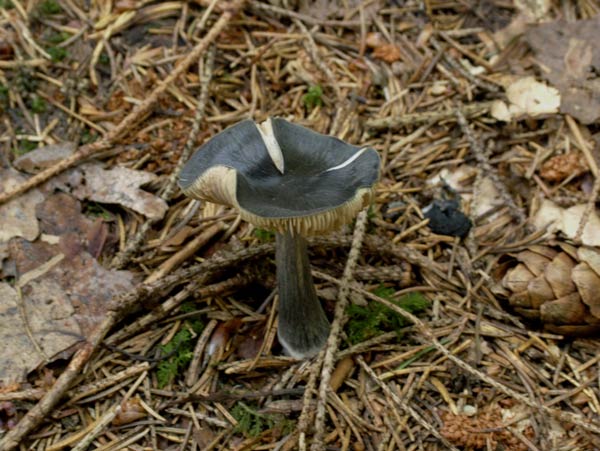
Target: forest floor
column 136, row 318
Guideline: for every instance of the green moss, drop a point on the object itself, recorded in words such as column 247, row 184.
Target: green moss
column 57, row 53
column 187, row 307
column 38, row 105
column 180, row 351
column 374, row 318
column 252, row 423
column 94, row 210
column 264, row 236
column 3, row 97
column 313, row 97
column 25, row 146
column 25, row 81
column 103, row 59
column 88, row 136
column 49, row 7
column 57, row 38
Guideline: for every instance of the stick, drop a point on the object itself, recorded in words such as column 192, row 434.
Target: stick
column 138, row 113
column 336, row 328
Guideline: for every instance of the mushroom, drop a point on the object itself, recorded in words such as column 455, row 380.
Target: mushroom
column 287, row 178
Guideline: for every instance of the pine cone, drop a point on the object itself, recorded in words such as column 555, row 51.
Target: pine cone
column 560, row 286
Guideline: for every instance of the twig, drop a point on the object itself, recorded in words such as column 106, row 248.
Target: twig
column 187, row 251
column 307, row 405
column 228, row 396
column 460, row 69
column 169, row 305
column 108, row 416
column 134, row 244
column 313, row 51
column 27, row 326
column 428, row 334
column 303, row 17
column 333, row 340
column 589, row 208
column 119, row 307
column 469, row 110
column 138, row 112
column 43, row 408
column 486, row 168
column 404, row 405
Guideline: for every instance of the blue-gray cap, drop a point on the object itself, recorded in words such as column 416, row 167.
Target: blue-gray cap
column 282, row 176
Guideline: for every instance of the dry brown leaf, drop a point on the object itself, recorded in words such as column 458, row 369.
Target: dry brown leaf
column 120, row 186
column 64, row 291
column 50, row 321
column 570, row 60
column 44, row 157
column 131, row 410
column 567, row 221
column 17, row 217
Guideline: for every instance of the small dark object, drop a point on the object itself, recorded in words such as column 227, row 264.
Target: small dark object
column 445, row 218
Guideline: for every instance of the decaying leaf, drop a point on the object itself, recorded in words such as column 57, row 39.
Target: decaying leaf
column 567, row 220
column 570, row 60
column 530, row 12
column 62, row 290
column 120, row 186
column 50, row 320
column 526, row 98
column 44, row 157
column 17, row 217
column 131, row 410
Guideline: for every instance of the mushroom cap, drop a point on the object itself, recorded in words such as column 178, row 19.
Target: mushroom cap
column 283, row 176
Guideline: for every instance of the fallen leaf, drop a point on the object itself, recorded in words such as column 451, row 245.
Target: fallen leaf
column 17, row 217
column 52, row 327
column 44, row 157
column 120, row 186
column 64, row 291
column 131, row 410
column 530, row 12
column 567, row 220
column 526, row 98
column 3, row 256
column 570, row 60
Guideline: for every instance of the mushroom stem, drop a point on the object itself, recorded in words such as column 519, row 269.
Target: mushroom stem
column 303, row 327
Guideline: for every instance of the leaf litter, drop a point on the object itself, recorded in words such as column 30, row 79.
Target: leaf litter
column 200, row 367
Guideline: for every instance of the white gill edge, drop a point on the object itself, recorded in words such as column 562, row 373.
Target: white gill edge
column 348, row 161
column 266, row 132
